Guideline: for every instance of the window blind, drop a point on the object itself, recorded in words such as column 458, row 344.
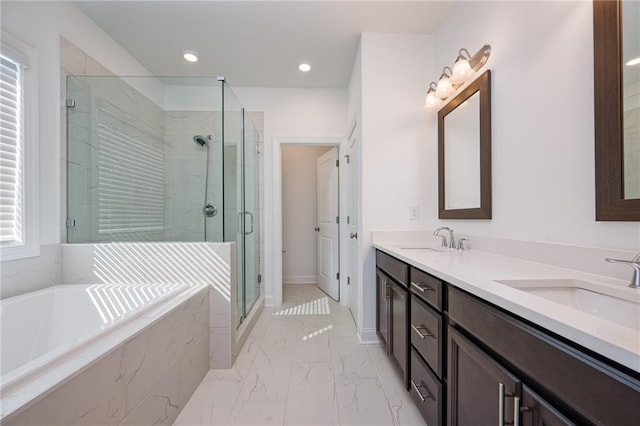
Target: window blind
column 130, row 178
column 11, row 148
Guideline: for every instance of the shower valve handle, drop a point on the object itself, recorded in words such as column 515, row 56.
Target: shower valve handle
column 210, row 210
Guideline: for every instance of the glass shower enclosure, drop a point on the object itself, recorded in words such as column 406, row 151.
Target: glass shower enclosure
column 169, row 159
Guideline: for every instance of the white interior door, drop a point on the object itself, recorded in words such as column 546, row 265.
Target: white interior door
column 352, row 227
column 328, row 230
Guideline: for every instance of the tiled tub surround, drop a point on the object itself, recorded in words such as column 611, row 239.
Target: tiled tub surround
column 140, row 370
column 209, row 264
column 477, row 271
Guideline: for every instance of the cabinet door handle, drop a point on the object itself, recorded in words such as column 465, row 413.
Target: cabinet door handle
column 516, row 411
column 422, row 335
column 500, row 404
column 421, row 287
column 516, row 406
column 422, row 396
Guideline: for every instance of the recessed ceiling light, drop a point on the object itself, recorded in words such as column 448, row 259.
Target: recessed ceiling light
column 632, row 62
column 189, row 56
column 304, row 67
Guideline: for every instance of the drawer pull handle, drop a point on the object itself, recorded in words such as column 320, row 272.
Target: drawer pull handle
column 422, row 396
column 422, row 335
column 421, row 287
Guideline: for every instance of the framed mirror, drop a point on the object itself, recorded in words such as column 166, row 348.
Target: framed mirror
column 464, row 153
column 616, row 25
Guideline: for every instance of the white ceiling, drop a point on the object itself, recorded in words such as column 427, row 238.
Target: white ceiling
column 258, row 43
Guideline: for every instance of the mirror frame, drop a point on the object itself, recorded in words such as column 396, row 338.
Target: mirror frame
column 607, row 49
column 482, row 84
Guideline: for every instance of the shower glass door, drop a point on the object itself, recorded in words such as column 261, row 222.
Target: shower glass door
column 251, row 191
column 242, row 200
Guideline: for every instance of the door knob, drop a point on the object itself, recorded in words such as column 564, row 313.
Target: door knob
column 353, row 235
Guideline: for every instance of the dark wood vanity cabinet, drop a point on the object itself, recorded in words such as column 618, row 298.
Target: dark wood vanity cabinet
column 479, row 387
column 556, row 383
column 482, row 391
column 468, row 362
column 392, row 299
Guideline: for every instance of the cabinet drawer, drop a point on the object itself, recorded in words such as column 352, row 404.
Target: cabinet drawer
column 426, row 391
column 393, row 267
column 426, row 334
column 427, row 287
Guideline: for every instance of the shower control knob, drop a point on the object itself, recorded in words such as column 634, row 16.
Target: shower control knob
column 210, row 210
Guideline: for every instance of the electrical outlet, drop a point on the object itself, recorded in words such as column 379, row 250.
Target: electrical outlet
column 414, row 212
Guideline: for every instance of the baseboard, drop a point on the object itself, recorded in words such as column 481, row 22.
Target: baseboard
column 300, row 279
column 368, row 336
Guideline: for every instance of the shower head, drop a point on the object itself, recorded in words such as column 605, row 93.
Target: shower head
column 202, row 140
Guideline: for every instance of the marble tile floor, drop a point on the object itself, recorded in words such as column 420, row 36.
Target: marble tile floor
column 302, row 365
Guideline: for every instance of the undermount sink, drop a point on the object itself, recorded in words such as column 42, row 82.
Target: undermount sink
column 618, row 305
column 422, row 248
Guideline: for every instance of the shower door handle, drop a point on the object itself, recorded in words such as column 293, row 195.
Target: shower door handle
column 251, row 216
column 243, row 222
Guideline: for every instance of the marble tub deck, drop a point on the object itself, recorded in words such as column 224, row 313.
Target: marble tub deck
column 303, row 366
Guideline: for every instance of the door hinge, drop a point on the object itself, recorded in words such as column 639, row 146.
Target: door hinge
column 259, row 278
column 337, row 163
column 337, row 275
column 71, row 103
column 348, row 280
column 337, row 219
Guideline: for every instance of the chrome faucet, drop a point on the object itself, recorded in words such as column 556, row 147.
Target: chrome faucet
column 635, row 264
column 452, row 243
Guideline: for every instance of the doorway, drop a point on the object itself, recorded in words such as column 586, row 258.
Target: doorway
column 310, row 216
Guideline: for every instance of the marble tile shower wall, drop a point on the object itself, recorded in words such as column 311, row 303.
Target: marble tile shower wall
column 185, row 175
column 94, row 96
column 185, row 161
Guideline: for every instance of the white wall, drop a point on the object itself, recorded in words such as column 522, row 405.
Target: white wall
column 307, row 114
column 542, row 122
column 542, row 119
column 299, row 213
column 397, row 141
column 40, row 24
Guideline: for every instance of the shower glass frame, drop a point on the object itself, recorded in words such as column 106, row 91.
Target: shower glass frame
column 134, row 173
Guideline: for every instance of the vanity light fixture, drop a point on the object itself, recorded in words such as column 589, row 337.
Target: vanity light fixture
column 189, row 56
column 304, row 67
column 462, row 71
column 635, row 61
column 464, row 68
column 432, row 100
column 444, row 88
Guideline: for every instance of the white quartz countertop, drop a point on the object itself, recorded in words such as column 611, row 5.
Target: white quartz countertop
column 476, row 272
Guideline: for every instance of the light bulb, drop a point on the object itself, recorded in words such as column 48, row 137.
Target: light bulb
column 432, row 100
column 462, row 71
column 304, row 67
column 444, row 88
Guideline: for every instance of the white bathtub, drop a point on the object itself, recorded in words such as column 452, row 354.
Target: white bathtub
column 50, row 335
